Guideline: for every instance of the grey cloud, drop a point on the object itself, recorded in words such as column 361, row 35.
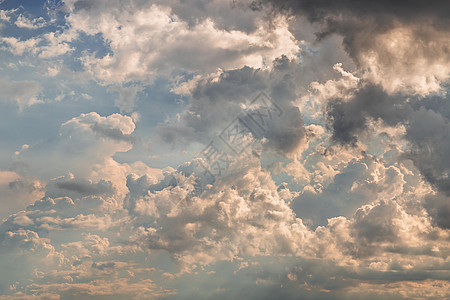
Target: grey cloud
column 429, row 132
column 47, row 203
column 404, row 9
column 351, row 188
column 112, row 133
column 372, row 17
column 385, row 227
column 426, row 121
column 348, row 119
column 83, row 4
column 376, row 225
column 215, row 103
column 336, row 199
column 403, row 44
column 103, row 266
column 300, row 278
column 73, row 197
column 438, row 207
column 77, row 188
column 287, row 132
column 24, row 185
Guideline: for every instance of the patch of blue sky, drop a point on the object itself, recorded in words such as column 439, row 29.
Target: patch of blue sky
column 41, row 122
column 94, row 44
column 306, row 48
column 34, row 7
column 156, row 104
column 48, row 11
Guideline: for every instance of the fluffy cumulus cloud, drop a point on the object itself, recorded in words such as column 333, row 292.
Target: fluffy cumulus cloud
column 150, row 39
column 402, row 46
column 224, row 149
column 82, row 143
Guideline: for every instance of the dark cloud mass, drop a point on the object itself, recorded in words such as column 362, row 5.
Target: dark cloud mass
column 438, row 207
column 426, row 121
column 348, row 119
column 218, row 101
column 403, row 9
column 386, row 39
column 375, row 17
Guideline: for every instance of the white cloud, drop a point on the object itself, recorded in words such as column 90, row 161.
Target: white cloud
column 408, row 58
column 19, row 47
column 24, row 22
column 170, row 45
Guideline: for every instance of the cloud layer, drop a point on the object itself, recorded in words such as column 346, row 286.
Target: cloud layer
column 224, row 149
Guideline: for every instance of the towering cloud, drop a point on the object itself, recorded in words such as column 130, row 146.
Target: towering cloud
column 402, row 45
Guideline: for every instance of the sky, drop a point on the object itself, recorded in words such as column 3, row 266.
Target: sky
column 218, row 149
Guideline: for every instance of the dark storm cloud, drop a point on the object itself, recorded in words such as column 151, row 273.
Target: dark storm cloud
column 213, row 105
column 405, row 9
column 216, row 102
column 347, row 119
column 427, row 129
column 423, row 37
column 340, row 16
column 438, row 207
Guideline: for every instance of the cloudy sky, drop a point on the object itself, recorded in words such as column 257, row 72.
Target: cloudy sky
column 218, row 149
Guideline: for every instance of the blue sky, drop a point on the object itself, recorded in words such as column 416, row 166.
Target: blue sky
column 224, row 149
